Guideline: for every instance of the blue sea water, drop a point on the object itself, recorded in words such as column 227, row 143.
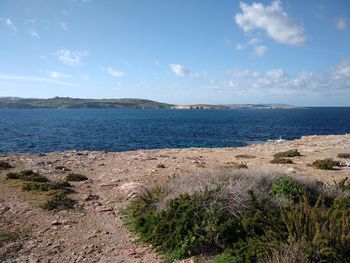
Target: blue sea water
column 47, row 130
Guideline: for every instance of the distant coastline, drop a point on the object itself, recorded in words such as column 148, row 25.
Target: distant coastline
column 124, row 103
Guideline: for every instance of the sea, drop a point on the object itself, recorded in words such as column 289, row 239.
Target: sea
column 54, row 130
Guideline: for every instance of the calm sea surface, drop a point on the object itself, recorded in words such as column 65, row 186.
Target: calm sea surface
column 46, row 130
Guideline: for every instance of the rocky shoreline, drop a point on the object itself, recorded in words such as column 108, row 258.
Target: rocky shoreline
column 94, row 232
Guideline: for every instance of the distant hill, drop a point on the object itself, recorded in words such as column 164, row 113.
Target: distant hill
column 128, row 103
column 72, row 103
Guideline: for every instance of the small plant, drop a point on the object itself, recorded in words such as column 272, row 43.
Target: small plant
column 245, row 156
column 343, row 185
column 62, row 168
column 161, row 165
column 241, row 165
column 280, row 160
column 325, row 164
column 286, row 187
column 344, row 155
column 72, row 177
column 5, row 165
column 27, row 175
column 45, row 187
column 59, row 201
column 289, row 153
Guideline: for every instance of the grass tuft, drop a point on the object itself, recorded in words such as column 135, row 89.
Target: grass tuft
column 280, row 160
column 344, row 155
column 27, row 175
column 5, row 165
column 289, row 153
column 325, row 164
column 73, row 177
column 59, row 201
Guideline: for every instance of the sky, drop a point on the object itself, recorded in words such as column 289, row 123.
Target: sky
column 182, row 52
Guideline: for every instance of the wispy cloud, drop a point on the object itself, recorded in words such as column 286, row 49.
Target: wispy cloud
column 115, row 73
column 71, row 58
column 181, row 71
column 260, row 51
column 273, row 20
column 34, row 33
column 58, row 75
column 341, row 23
column 39, row 80
column 10, row 24
column 63, row 25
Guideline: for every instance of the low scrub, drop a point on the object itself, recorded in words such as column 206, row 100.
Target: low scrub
column 5, row 165
column 285, row 186
column 344, row 155
column 245, row 156
column 234, row 216
column 72, row 177
column 280, row 160
column 289, row 153
column 59, row 201
column 27, row 175
column 57, row 191
column 325, row 164
column 45, row 187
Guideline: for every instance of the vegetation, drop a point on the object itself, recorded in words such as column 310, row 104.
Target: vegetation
column 325, row 164
column 289, row 153
column 59, row 201
column 234, row 216
column 5, row 165
column 57, row 191
column 285, row 186
column 246, row 156
column 344, row 155
column 234, row 165
column 280, row 160
column 66, row 102
column 73, row 177
column 27, row 175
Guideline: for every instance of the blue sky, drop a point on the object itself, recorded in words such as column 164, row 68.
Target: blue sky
column 185, row 51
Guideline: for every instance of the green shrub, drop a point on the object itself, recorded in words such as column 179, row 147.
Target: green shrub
column 246, row 156
column 72, row 177
column 59, row 201
column 325, row 164
column 279, row 160
column 286, row 187
column 44, row 187
column 344, row 155
column 27, row 175
column 5, row 165
column 289, row 153
column 189, row 225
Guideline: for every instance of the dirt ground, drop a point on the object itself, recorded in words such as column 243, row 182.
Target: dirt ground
column 94, row 232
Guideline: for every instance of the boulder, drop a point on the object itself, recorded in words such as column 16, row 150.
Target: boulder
column 133, row 190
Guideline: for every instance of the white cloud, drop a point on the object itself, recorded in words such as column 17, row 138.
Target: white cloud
column 69, row 57
column 115, row 73
column 39, row 79
column 336, row 80
column 63, row 25
column 10, row 24
column 34, row 33
column 259, row 51
column 181, row 71
column 341, row 23
column 57, row 75
column 273, row 20
column 240, row 46
column 342, row 70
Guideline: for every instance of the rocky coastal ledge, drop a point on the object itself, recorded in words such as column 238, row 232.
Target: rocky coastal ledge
column 94, row 232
